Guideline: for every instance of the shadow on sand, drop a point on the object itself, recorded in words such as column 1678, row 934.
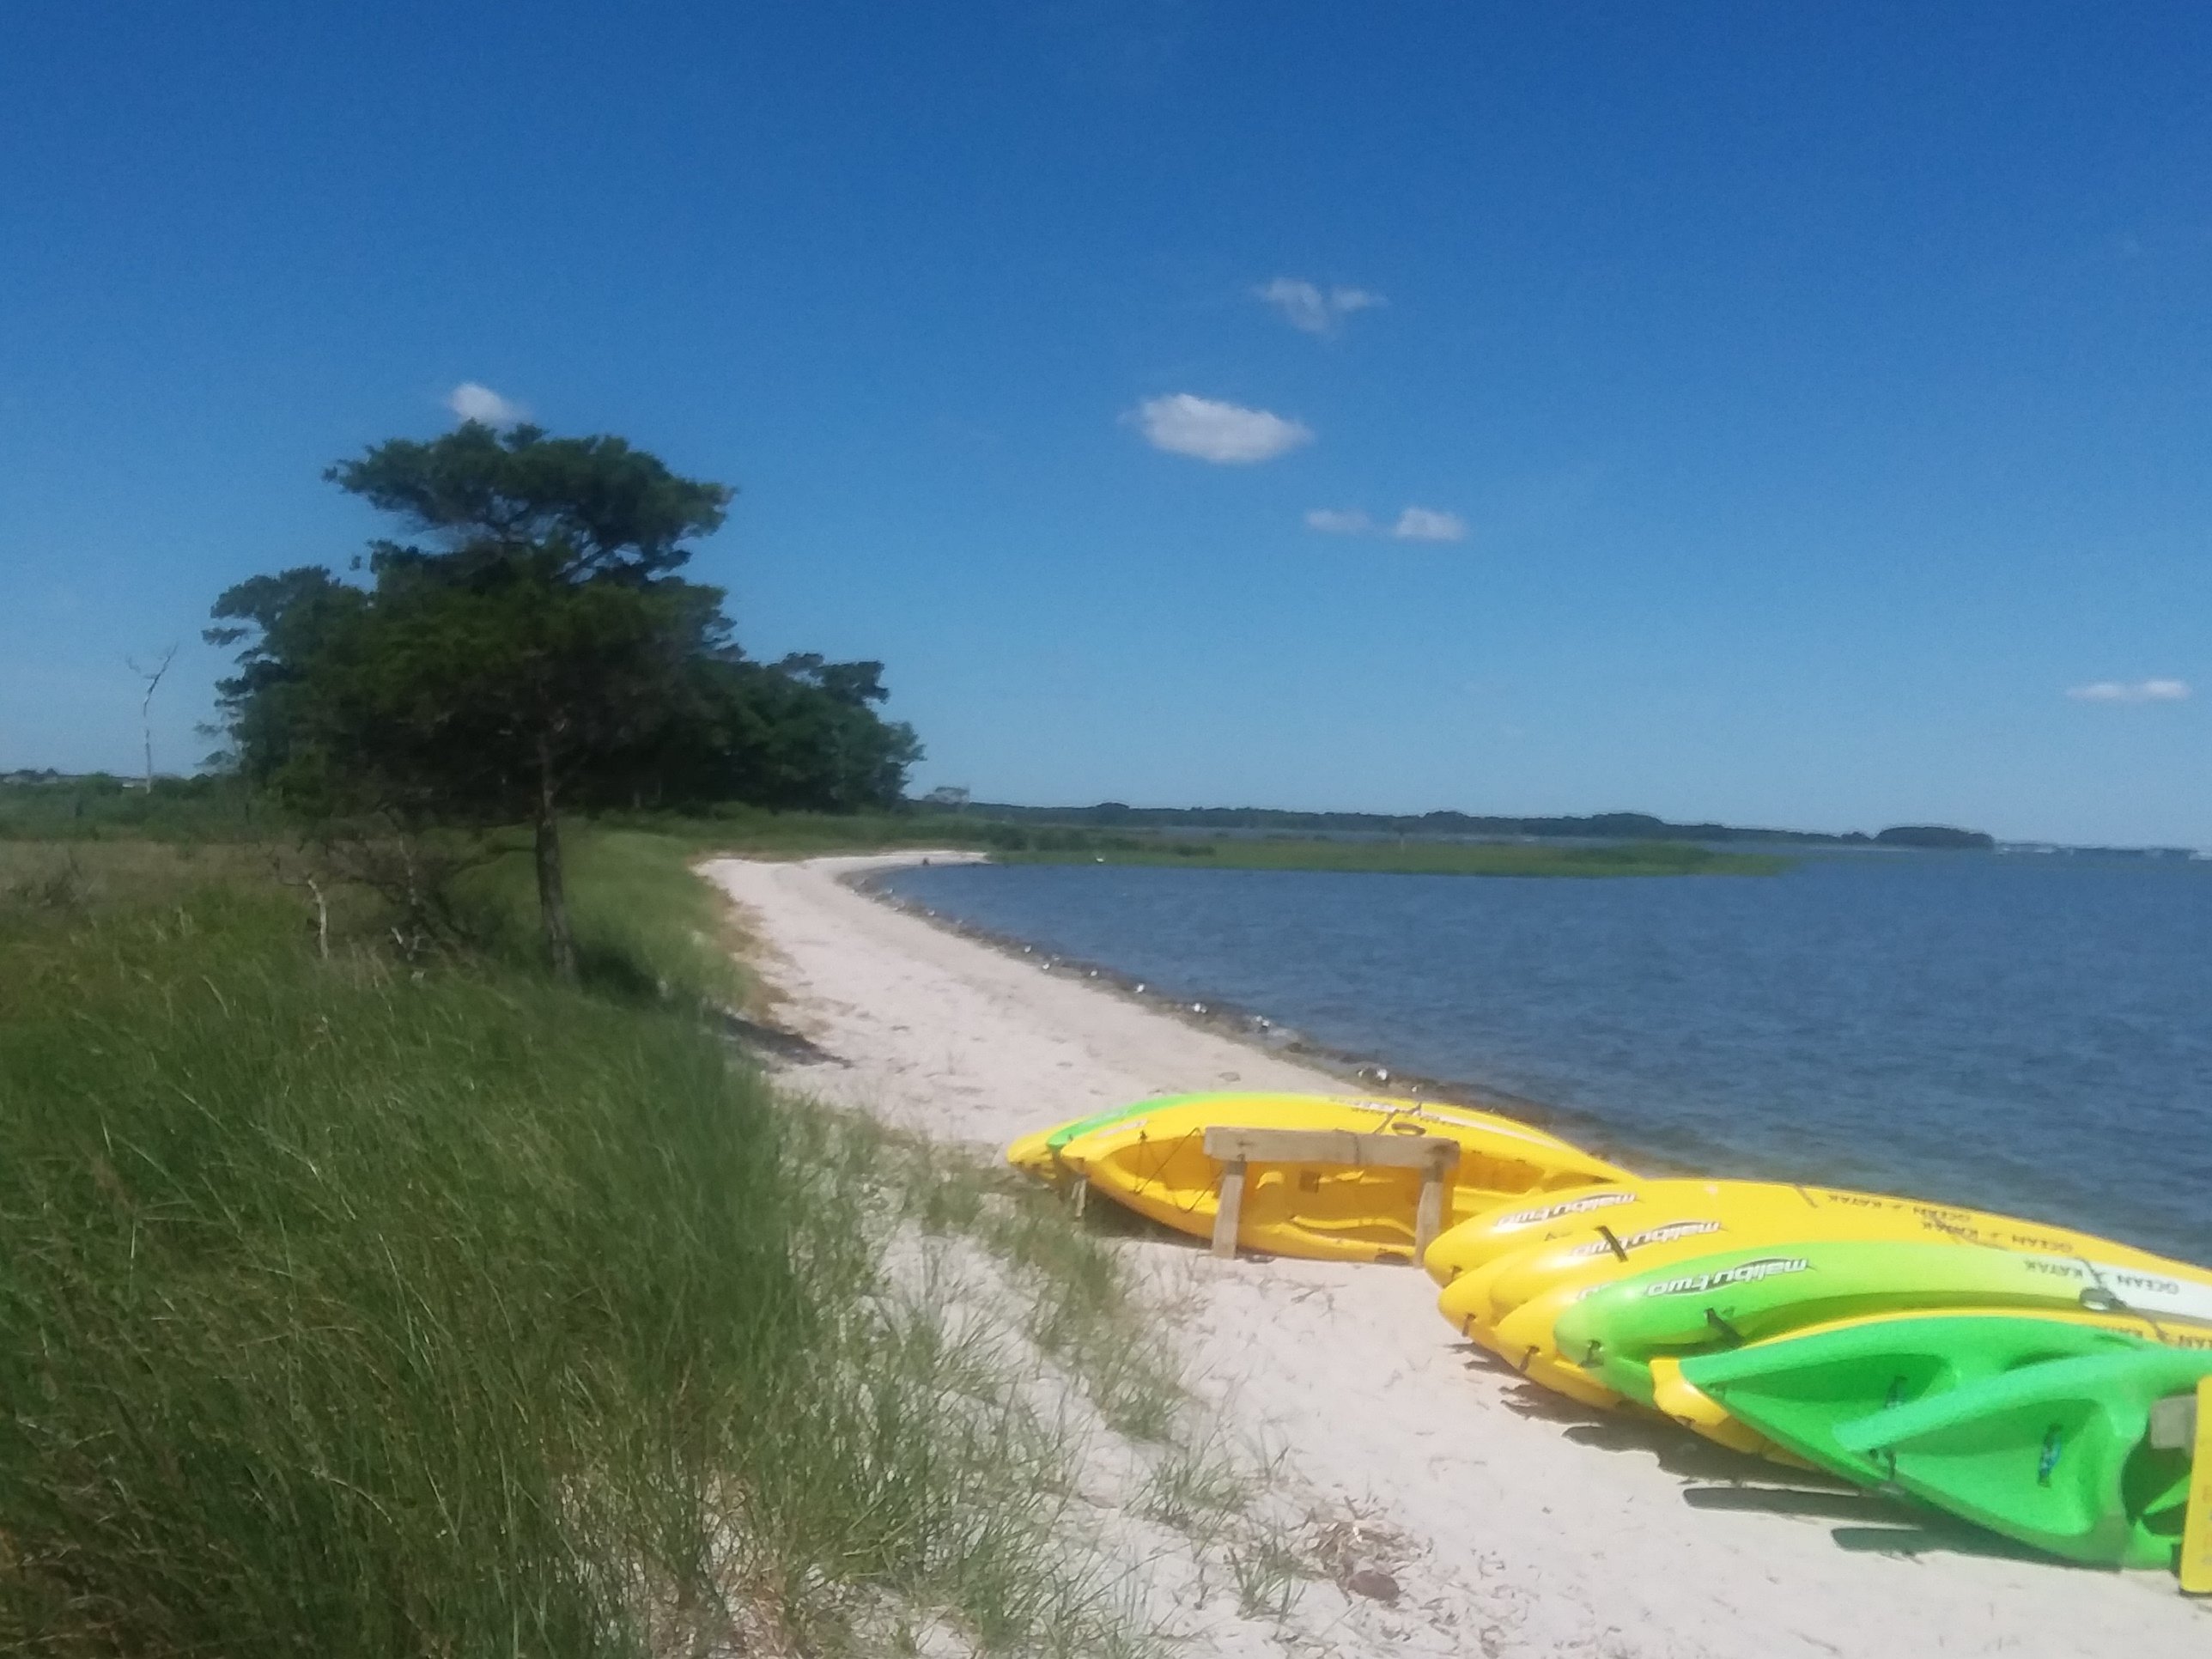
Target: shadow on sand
column 1722, row 1480
column 1921, row 1532
column 787, row 1046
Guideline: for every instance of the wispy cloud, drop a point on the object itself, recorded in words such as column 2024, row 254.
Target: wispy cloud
column 1313, row 309
column 1424, row 524
column 471, row 402
column 2129, row 691
column 1415, row 524
column 1228, row 433
column 1330, row 522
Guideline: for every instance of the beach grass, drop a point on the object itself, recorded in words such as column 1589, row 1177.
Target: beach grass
column 646, row 927
column 1077, row 1304
column 356, row 1304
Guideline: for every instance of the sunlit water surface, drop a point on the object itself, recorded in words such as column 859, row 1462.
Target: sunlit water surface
column 2032, row 1035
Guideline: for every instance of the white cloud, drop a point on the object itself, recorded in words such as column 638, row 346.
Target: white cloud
column 1312, row 310
column 471, row 402
column 1186, row 425
column 1303, row 304
column 2129, row 691
column 1424, row 524
column 1415, row 524
column 1332, row 521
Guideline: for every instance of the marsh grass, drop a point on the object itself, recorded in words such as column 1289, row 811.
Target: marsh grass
column 349, row 1307
column 74, row 877
column 100, row 807
column 1410, row 856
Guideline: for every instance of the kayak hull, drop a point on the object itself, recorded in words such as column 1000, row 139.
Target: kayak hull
column 2055, row 1455
column 1510, row 1301
column 1152, row 1159
column 1794, row 1392
column 1730, row 1300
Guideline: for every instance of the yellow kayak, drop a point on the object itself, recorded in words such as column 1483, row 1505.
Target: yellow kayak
column 1511, row 1297
column 1639, row 1206
column 1671, row 1218
column 1151, row 1157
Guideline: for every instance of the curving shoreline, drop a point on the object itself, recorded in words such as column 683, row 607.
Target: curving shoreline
column 1219, row 1015
column 1529, row 1530
column 1227, row 1019
column 1861, row 1027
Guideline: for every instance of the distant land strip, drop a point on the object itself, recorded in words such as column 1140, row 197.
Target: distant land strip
column 1597, row 826
column 1410, row 857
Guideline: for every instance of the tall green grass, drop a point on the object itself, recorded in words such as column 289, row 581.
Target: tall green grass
column 646, row 927
column 100, row 806
column 351, row 1307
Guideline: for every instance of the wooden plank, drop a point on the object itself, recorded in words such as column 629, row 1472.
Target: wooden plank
column 1338, row 1147
column 2197, row 1523
column 1429, row 1218
column 2174, row 1423
column 1231, row 1210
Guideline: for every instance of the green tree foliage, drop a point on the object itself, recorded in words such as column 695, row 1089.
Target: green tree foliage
column 530, row 649
column 801, row 733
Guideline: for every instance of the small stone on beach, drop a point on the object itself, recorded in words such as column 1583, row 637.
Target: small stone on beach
column 1373, row 1583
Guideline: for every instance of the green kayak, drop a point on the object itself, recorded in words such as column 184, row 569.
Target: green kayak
column 1741, row 1297
column 2056, row 1455
column 1797, row 1390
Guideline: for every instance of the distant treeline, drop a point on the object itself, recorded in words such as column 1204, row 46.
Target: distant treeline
column 220, row 804
column 1598, row 826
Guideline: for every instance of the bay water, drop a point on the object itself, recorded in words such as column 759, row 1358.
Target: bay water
column 2030, row 1034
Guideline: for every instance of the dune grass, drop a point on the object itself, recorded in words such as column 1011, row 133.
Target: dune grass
column 1078, row 1309
column 645, row 927
column 356, row 1306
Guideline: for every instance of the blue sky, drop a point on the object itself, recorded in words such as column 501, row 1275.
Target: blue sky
column 1801, row 412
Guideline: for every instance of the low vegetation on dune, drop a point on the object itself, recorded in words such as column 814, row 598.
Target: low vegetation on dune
column 359, row 1301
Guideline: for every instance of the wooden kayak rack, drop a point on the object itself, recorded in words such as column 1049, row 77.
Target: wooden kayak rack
column 1435, row 1156
column 2184, row 1421
column 2174, row 1423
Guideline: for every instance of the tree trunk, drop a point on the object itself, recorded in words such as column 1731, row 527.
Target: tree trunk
column 552, row 890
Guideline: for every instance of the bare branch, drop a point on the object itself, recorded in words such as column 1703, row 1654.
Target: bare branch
column 153, row 678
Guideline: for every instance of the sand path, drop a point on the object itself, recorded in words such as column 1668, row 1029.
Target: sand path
column 1528, row 1529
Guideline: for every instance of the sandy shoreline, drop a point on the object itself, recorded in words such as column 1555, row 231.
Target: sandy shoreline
column 1252, row 1029
column 1528, row 1528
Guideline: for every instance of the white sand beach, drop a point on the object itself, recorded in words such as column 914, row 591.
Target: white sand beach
column 1523, row 1526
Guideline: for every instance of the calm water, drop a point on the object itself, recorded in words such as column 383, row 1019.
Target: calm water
column 2018, row 1034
